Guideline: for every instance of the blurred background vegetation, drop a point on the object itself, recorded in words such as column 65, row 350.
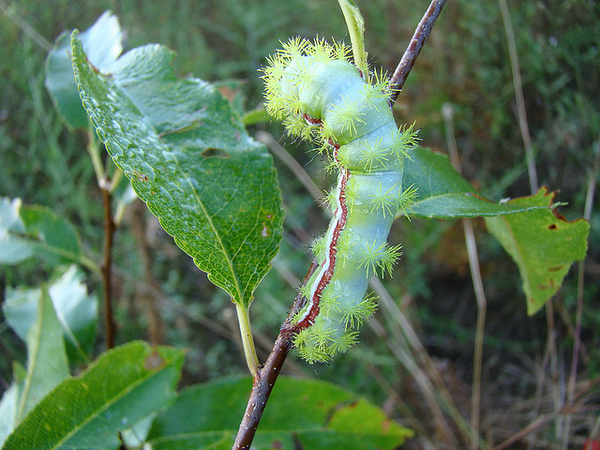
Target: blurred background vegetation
column 465, row 64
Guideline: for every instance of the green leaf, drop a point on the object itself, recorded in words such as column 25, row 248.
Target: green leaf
column 46, row 358
column 77, row 312
column 306, row 413
column 443, row 193
column 123, row 386
column 28, row 231
column 189, row 158
column 102, row 43
column 542, row 244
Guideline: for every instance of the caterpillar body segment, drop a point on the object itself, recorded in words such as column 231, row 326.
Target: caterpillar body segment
column 321, row 96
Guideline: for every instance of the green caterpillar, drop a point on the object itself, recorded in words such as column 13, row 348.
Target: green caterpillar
column 323, row 97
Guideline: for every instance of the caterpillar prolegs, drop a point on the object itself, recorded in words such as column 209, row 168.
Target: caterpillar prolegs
column 323, row 97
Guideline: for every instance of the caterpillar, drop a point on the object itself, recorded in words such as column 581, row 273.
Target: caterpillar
column 321, row 96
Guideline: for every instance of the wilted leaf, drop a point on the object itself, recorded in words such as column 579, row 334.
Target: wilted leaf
column 542, row 244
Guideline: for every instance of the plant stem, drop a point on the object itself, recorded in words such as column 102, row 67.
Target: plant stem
column 144, row 295
column 106, row 266
column 521, row 114
column 587, row 215
column 247, row 339
column 94, row 151
column 414, row 48
column 448, row 115
column 266, row 375
column 356, row 30
column 573, row 405
column 264, row 380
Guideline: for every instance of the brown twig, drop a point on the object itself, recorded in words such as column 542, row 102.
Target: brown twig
column 414, row 48
column 145, row 297
column 109, row 232
column 267, row 374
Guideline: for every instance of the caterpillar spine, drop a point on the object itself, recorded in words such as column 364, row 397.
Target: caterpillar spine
column 322, row 97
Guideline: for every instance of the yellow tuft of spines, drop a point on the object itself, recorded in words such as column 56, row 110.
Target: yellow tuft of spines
column 385, row 202
column 318, row 248
column 320, row 50
column 377, row 86
column 329, row 302
column 405, row 139
column 331, row 198
column 346, row 115
column 344, row 343
column 354, row 316
column 373, row 154
column 351, row 193
column 344, row 247
column 407, row 199
column 317, row 344
column 313, row 343
column 294, row 48
column 378, row 259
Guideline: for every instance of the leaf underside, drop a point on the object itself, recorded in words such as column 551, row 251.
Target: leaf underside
column 102, row 42
column 443, row 193
column 35, row 231
column 213, row 188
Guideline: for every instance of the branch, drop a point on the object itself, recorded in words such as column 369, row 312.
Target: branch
column 414, row 48
column 267, row 374
column 105, row 268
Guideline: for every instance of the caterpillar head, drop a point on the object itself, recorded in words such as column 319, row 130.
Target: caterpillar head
column 319, row 93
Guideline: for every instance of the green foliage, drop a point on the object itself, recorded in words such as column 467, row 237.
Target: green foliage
column 122, row 387
column 542, row 243
column 324, row 417
column 46, row 365
column 189, row 158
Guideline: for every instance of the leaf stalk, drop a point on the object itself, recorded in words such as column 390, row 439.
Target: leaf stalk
column 247, row 339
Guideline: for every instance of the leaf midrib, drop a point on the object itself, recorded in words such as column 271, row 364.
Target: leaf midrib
column 195, row 193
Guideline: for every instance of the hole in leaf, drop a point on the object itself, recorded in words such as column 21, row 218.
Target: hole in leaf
column 211, row 152
column 553, row 227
